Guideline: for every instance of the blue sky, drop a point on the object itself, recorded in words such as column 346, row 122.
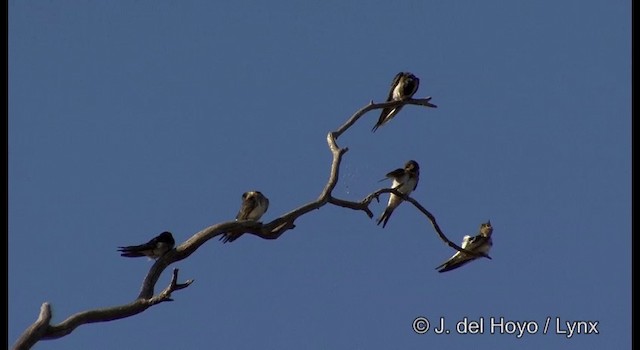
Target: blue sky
column 129, row 118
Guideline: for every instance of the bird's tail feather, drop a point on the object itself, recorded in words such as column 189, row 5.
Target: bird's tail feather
column 129, row 253
column 384, row 218
column 228, row 237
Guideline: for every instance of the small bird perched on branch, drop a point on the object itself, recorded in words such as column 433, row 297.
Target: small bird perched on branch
column 254, row 205
column 403, row 87
column 405, row 180
column 154, row 249
column 481, row 243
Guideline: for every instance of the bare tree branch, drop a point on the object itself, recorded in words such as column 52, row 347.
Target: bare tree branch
column 352, row 205
column 41, row 328
column 364, row 206
column 35, row 332
column 372, row 106
column 431, row 218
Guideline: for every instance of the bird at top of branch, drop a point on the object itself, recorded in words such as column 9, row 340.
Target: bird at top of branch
column 481, row 243
column 405, row 180
column 403, row 87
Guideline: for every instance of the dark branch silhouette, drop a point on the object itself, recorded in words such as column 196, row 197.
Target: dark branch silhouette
column 41, row 329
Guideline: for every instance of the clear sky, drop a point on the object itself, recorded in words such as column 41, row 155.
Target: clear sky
column 129, row 118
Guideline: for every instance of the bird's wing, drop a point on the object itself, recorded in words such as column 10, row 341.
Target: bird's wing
column 394, row 83
column 476, row 242
column 396, row 174
column 248, row 204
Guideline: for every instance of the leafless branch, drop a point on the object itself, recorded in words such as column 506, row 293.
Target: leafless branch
column 371, row 106
column 35, row 332
column 364, row 206
column 431, row 218
column 41, row 329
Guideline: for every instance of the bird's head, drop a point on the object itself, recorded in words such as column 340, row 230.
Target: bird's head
column 248, row 194
column 166, row 237
column 486, row 229
column 412, row 166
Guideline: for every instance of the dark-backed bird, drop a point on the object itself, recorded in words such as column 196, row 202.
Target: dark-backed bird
column 154, row 249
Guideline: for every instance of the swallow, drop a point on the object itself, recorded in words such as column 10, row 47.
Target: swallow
column 405, row 180
column 154, row 249
column 403, row 87
column 254, row 205
column 481, row 243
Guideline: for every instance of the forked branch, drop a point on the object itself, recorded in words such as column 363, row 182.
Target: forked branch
column 41, row 329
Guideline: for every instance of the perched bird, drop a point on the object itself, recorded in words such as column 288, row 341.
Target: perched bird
column 154, row 249
column 254, row 205
column 481, row 243
column 403, row 87
column 405, row 180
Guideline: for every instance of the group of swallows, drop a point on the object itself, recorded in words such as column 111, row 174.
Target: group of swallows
column 404, row 180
